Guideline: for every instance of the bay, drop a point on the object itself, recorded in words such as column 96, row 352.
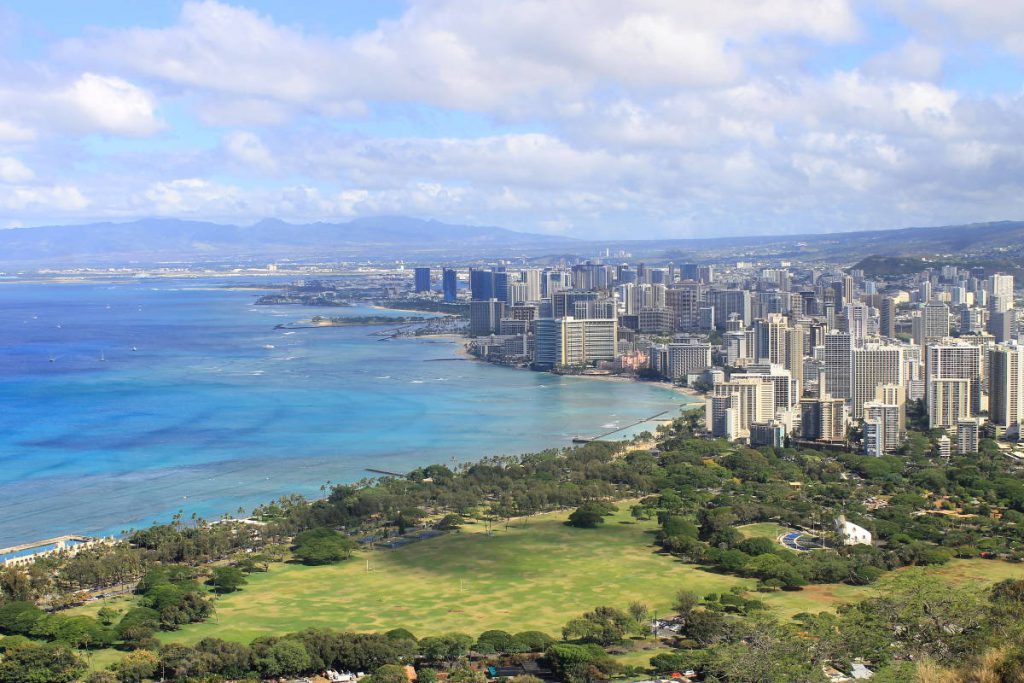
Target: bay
column 124, row 402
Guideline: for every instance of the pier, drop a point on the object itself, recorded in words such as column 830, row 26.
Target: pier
column 386, row 473
column 599, row 437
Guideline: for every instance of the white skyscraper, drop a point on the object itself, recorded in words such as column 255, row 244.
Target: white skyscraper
column 1006, row 387
column 871, row 367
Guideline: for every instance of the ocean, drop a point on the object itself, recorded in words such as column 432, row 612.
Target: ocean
column 124, row 402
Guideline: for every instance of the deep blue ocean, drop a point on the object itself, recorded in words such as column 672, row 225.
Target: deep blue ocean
column 124, row 402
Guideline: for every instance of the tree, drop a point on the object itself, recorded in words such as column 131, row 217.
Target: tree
column 445, row 649
column 322, row 546
column 136, row 666
column 603, row 626
column 580, row 663
column 227, row 579
column 585, row 517
column 41, row 663
column 534, row 641
column 705, row 627
column 684, row 602
column 19, row 618
column 389, row 673
column 283, row 657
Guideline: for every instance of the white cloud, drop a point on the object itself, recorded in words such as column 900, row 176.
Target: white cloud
column 13, row 132
column 501, row 56
column 52, row 199
column 13, row 171
column 190, row 196
column 113, row 105
column 247, row 148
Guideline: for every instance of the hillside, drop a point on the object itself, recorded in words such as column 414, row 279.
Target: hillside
column 162, row 240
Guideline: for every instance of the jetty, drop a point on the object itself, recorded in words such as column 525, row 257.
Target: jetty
column 599, row 437
column 386, row 472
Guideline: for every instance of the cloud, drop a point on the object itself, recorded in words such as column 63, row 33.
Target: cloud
column 500, row 56
column 247, row 148
column 190, row 196
column 13, row 171
column 57, row 199
column 113, row 105
column 13, row 132
column 642, row 117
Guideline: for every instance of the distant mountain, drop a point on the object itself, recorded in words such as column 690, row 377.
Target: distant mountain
column 1003, row 239
column 152, row 241
column 161, row 240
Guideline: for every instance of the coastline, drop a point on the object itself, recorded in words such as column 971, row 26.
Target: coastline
column 202, row 484
column 697, row 399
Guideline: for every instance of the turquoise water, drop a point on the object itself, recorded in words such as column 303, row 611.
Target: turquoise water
column 122, row 403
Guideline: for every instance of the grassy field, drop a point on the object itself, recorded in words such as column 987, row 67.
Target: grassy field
column 826, row 597
column 769, row 530
column 536, row 575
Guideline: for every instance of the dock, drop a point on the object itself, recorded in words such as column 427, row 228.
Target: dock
column 588, row 439
column 386, row 473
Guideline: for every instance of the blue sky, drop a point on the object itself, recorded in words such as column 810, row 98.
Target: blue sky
column 659, row 118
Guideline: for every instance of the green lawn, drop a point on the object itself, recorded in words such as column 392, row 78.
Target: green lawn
column 826, row 597
column 537, row 575
column 769, row 530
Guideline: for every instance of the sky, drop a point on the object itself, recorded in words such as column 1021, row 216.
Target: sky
column 586, row 118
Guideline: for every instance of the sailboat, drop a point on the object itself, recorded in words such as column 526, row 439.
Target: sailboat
column 103, row 358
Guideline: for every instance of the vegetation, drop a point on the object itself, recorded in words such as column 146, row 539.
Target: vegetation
column 703, row 502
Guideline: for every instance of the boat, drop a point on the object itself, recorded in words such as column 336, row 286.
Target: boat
column 135, row 348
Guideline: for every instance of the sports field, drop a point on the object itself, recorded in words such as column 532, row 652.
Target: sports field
column 537, row 575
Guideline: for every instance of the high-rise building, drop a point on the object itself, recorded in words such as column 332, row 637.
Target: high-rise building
column 873, row 437
column 784, row 388
column 728, row 301
column 887, row 417
column 858, row 317
column 531, row 277
column 931, row 324
column 887, row 318
column 684, row 359
column 968, row 432
column 956, row 361
column 1003, row 325
column 1006, row 387
column 485, row 317
column 734, row 405
column 450, row 285
column 422, row 279
column 795, row 340
column 481, row 285
column 574, row 343
column 871, row 367
column 837, row 357
column 685, row 302
column 823, row 419
column 770, row 339
column 949, row 401
column 1001, row 286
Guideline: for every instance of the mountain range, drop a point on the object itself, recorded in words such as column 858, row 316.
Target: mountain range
column 154, row 241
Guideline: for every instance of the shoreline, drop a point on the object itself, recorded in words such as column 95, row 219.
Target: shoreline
column 697, row 398
column 459, row 351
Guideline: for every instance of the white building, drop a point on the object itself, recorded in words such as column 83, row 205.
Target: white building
column 852, row 534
